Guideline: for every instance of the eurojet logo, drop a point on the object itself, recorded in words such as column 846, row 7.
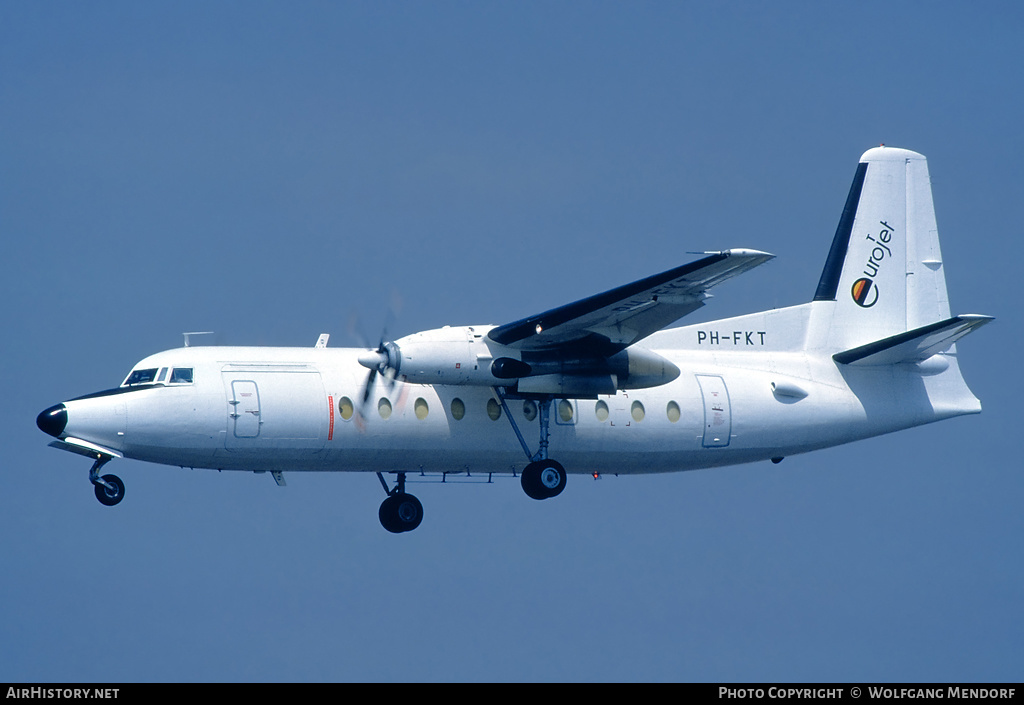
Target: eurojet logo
column 864, row 291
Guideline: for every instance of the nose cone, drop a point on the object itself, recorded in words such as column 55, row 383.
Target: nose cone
column 53, row 420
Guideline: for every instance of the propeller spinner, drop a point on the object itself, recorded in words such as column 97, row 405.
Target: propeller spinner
column 385, row 360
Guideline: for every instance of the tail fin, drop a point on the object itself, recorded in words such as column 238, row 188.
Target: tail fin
column 884, row 273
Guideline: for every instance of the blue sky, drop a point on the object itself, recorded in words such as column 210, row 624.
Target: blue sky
column 270, row 170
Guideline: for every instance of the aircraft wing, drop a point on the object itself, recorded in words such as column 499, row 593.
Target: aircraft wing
column 612, row 321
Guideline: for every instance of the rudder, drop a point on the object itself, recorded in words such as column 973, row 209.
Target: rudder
column 884, row 273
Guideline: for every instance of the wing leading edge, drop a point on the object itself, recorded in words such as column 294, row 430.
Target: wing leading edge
column 607, row 323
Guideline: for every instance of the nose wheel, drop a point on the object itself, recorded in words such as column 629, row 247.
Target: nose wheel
column 111, row 491
column 109, row 488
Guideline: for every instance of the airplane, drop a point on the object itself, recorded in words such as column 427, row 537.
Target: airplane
column 605, row 383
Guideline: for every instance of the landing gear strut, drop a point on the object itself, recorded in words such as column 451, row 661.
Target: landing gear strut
column 109, row 488
column 401, row 511
column 541, row 478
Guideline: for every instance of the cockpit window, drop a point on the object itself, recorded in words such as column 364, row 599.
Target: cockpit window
column 181, row 375
column 140, row 377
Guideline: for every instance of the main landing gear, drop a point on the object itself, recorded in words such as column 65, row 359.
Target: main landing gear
column 542, row 478
column 401, row 511
column 109, row 488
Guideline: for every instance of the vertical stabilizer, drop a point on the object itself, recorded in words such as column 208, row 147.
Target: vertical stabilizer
column 884, row 272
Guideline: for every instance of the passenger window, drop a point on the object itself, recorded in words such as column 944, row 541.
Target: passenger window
column 181, row 375
column 565, row 411
column 458, row 409
column 530, row 409
column 673, row 411
column 637, row 411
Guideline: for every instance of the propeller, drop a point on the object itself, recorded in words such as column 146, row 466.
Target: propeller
column 383, row 360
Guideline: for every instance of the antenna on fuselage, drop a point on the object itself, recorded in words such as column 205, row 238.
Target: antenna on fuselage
column 196, row 332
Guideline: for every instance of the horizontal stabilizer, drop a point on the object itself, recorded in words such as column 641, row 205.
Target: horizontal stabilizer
column 914, row 345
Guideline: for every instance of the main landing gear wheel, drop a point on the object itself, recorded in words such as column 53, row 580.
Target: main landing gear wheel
column 542, row 479
column 111, row 493
column 400, row 512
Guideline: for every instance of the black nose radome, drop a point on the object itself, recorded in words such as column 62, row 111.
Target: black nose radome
column 53, row 420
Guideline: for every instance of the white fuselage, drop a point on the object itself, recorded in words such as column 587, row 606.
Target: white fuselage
column 599, row 385
column 750, row 388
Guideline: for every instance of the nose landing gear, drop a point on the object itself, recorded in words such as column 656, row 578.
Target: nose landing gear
column 111, row 491
column 109, row 488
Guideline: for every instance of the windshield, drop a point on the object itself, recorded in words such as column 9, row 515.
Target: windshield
column 140, row 377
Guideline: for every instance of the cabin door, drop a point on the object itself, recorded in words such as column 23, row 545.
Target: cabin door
column 717, row 411
column 244, row 409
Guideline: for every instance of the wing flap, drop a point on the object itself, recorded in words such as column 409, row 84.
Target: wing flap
column 914, row 345
column 617, row 318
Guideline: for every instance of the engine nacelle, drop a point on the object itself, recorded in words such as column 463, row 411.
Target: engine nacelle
column 637, row 368
column 451, row 355
column 464, row 356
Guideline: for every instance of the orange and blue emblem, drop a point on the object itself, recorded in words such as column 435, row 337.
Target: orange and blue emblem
column 865, row 293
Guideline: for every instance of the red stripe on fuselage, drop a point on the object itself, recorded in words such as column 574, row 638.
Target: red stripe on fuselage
column 330, row 428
